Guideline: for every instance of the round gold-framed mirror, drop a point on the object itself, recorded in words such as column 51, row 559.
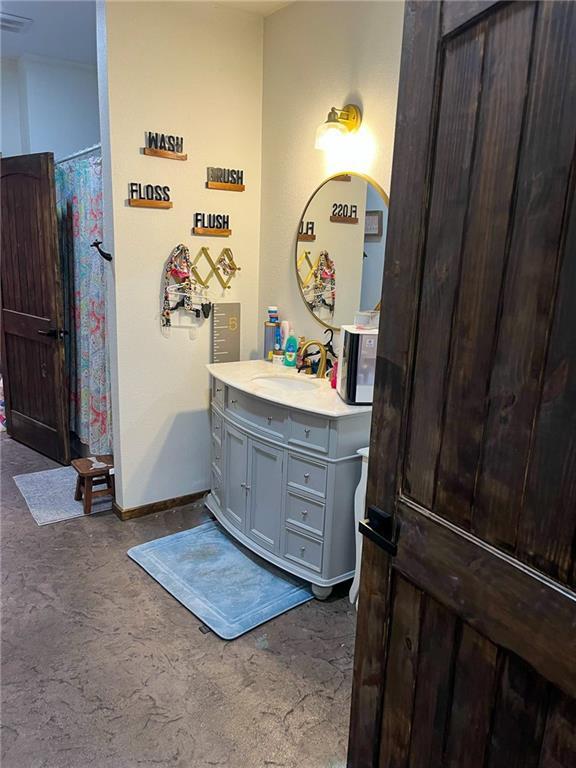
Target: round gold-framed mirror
column 340, row 244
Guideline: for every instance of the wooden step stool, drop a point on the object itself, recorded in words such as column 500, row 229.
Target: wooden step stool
column 89, row 476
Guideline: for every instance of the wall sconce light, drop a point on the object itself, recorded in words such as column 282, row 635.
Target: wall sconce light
column 339, row 122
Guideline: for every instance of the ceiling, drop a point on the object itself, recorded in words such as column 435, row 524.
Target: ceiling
column 60, row 30
column 261, row 8
column 66, row 29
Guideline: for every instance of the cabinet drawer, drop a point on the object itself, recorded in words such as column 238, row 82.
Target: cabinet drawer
column 307, row 475
column 218, row 392
column 303, row 550
column 310, row 431
column 217, row 453
column 216, row 426
column 304, row 513
column 268, row 418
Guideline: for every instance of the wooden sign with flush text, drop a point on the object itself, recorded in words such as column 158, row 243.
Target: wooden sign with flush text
column 212, row 224
column 306, row 232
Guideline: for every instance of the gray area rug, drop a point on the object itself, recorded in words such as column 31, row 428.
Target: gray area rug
column 50, row 495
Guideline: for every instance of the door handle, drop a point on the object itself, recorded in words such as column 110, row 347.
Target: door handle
column 54, row 333
column 381, row 528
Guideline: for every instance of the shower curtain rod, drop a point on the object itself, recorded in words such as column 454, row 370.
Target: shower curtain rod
column 78, row 154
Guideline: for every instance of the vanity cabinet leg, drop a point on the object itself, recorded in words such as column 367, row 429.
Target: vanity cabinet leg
column 321, row 593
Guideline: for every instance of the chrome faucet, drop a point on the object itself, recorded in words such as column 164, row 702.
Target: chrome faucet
column 321, row 372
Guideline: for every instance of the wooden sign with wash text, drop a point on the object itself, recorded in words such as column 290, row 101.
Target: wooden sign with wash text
column 165, row 145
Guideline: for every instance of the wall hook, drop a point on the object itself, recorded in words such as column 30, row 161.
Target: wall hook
column 96, row 244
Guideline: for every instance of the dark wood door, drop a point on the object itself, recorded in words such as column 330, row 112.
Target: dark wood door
column 32, row 307
column 466, row 640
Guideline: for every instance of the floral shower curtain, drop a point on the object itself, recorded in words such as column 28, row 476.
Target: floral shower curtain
column 79, row 203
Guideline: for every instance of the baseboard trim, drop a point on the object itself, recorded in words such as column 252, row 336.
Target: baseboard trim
column 156, row 506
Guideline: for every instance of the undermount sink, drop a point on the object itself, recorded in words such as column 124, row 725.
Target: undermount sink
column 281, row 383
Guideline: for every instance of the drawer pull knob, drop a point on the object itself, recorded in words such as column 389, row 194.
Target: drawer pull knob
column 247, row 487
column 216, row 427
column 233, row 402
column 302, row 550
column 242, row 485
column 306, row 476
column 217, row 458
column 304, row 512
column 218, row 389
column 307, row 432
column 269, row 418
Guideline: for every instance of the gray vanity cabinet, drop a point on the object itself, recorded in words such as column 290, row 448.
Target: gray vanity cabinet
column 264, row 493
column 284, row 482
column 235, row 469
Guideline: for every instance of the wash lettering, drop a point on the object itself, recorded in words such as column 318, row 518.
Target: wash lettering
column 164, row 141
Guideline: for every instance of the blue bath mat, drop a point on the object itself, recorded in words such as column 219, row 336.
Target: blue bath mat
column 226, row 586
column 50, row 495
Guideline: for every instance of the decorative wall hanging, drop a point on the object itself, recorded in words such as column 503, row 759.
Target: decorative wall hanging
column 305, row 261
column 223, row 269
column 229, row 179
column 212, row 224
column 164, row 145
column 182, row 287
column 226, row 333
column 148, row 195
column 320, row 290
column 373, row 225
column 343, row 213
column 306, row 232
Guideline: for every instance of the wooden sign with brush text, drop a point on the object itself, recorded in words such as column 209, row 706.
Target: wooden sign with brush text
column 229, row 179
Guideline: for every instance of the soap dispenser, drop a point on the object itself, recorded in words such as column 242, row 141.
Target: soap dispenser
column 291, row 350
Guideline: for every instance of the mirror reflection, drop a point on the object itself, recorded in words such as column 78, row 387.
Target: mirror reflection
column 340, row 249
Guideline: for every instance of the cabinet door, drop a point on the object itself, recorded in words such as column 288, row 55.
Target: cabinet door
column 265, row 494
column 235, row 471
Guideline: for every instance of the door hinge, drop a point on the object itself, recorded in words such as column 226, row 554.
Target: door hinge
column 381, row 528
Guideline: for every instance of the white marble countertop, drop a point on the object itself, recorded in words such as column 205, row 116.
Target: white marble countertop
column 319, row 398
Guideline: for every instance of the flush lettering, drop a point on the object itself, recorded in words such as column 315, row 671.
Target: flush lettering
column 211, row 221
column 306, row 228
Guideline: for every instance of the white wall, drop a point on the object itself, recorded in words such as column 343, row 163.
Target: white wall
column 319, row 55
column 11, row 137
column 48, row 105
column 194, row 70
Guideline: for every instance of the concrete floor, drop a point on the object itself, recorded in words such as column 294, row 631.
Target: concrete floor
column 101, row 667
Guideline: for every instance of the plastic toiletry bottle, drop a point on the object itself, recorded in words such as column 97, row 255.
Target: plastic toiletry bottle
column 291, row 350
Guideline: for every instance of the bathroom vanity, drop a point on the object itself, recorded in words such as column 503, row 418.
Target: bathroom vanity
column 285, row 468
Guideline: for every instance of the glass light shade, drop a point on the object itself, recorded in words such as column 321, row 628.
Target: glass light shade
column 329, row 134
